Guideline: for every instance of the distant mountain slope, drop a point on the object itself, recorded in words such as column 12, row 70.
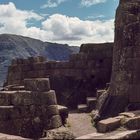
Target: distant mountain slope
column 14, row 46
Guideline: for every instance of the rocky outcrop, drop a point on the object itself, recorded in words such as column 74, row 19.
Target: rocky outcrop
column 73, row 80
column 125, row 83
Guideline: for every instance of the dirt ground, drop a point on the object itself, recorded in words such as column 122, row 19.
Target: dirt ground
column 80, row 124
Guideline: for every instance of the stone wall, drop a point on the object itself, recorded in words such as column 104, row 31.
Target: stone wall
column 72, row 80
column 125, row 82
column 29, row 113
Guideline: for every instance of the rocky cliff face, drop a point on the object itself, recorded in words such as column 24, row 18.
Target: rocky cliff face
column 125, row 81
column 13, row 46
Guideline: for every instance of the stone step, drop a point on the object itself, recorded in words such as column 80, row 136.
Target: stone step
column 108, row 125
column 82, row 108
column 91, row 103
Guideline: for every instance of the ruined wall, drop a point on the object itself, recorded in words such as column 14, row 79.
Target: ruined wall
column 125, row 82
column 28, row 113
column 72, row 80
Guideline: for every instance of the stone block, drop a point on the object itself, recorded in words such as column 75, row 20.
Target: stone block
column 37, row 59
column 128, row 114
column 63, row 111
column 133, row 123
column 26, row 68
column 62, row 65
column 31, row 128
column 82, row 108
column 91, row 103
column 22, row 98
column 5, row 97
column 56, row 122
column 25, row 111
column 31, row 74
column 48, row 98
column 52, row 110
column 107, row 125
column 37, row 84
column 59, row 134
column 8, row 127
column 13, row 88
column 17, row 61
column 6, row 112
column 39, row 66
column 42, row 74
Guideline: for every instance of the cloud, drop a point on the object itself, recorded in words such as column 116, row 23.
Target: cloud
column 54, row 28
column 52, row 3
column 13, row 20
column 88, row 3
column 64, row 28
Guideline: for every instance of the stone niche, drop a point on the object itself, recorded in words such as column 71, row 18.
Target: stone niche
column 30, row 112
column 124, row 90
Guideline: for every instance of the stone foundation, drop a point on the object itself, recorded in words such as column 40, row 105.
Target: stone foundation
column 29, row 112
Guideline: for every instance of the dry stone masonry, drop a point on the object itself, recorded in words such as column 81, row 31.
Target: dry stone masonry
column 73, row 80
column 29, row 106
column 123, row 92
column 30, row 112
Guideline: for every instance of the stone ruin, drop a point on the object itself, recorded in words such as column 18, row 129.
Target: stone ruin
column 73, row 80
column 118, row 103
column 31, row 112
column 123, row 93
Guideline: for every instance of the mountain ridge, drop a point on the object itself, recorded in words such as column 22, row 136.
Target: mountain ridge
column 16, row 46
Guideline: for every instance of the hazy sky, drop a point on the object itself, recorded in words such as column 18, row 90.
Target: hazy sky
column 63, row 21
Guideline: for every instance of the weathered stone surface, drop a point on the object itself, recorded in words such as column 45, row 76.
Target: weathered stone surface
column 53, row 122
column 107, row 125
column 29, row 113
column 81, row 75
column 52, row 110
column 91, row 103
column 37, row 84
column 63, row 111
column 56, row 121
column 5, row 97
column 22, row 98
column 82, row 108
column 49, row 98
column 124, row 86
column 60, row 133
column 36, row 59
column 5, row 112
column 128, row 114
column 133, row 123
column 31, row 128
